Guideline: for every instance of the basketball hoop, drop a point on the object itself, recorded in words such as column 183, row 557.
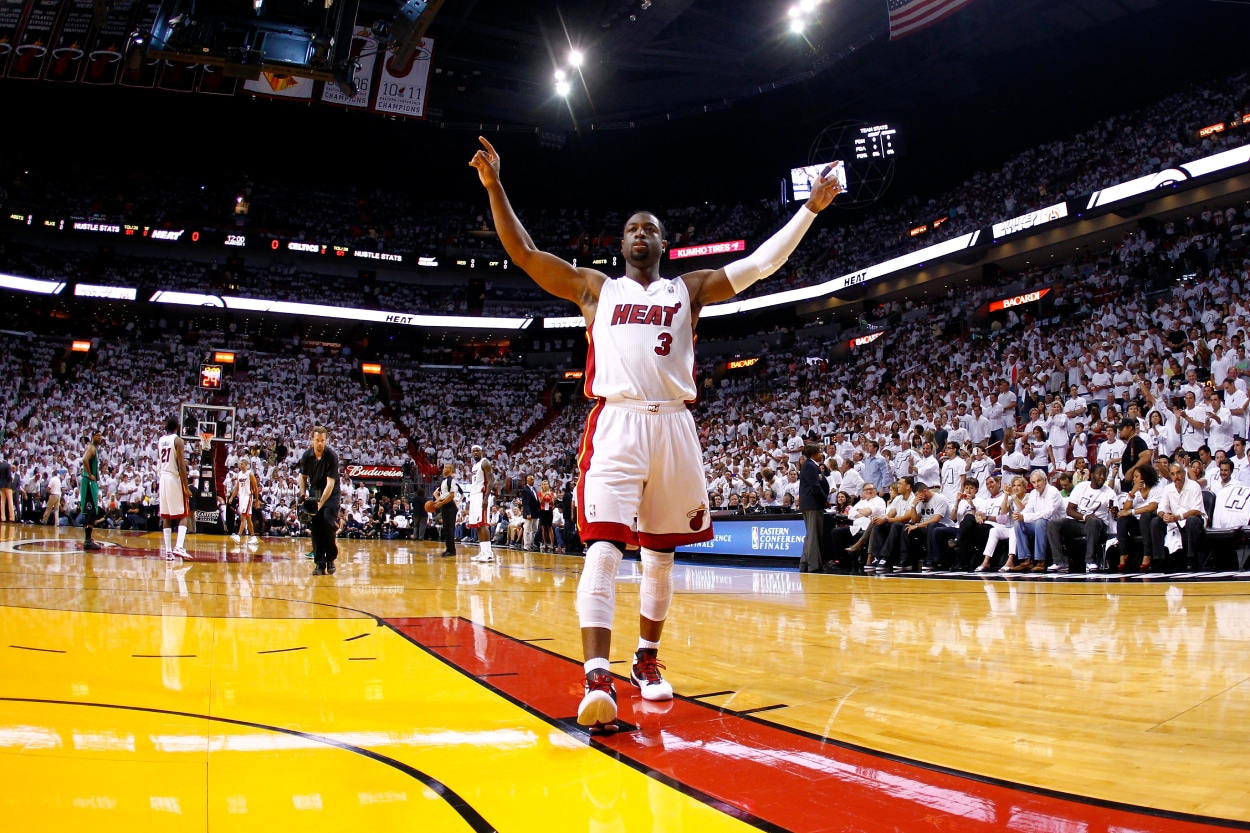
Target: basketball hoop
column 206, row 440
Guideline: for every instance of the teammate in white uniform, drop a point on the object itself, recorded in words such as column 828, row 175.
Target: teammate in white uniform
column 641, row 466
column 481, row 499
column 246, row 486
column 175, row 488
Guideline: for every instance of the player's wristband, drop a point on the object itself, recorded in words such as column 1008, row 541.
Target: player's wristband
column 772, row 253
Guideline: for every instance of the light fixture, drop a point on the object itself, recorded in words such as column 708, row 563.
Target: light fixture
column 796, row 26
column 563, row 88
column 575, row 58
column 560, row 75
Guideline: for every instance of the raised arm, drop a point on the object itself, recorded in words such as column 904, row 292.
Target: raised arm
column 712, row 285
column 560, row 278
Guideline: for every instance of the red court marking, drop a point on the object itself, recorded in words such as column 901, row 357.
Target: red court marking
column 785, row 779
column 74, row 547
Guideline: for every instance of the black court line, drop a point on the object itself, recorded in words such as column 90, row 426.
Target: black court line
column 357, row 636
column 709, row 694
column 471, row 816
column 283, row 650
column 760, row 709
column 498, row 674
column 442, row 646
column 163, row 656
column 359, row 659
column 540, row 639
column 617, row 661
column 40, row 650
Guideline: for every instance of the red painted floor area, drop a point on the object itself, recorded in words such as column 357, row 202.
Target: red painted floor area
column 772, row 777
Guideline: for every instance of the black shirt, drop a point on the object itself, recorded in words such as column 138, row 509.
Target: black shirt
column 1132, row 450
column 318, row 471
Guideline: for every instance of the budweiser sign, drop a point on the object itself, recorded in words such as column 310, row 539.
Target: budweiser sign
column 374, row 472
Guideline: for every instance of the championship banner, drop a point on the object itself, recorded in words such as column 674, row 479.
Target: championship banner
column 365, row 52
column 107, row 50
column 213, row 81
column 272, row 85
column 69, row 48
column 11, row 14
column 30, row 50
column 145, row 75
column 374, row 472
column 178, row 78
column 401, row 90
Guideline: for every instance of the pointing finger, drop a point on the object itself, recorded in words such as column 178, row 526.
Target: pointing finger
column 487, row 145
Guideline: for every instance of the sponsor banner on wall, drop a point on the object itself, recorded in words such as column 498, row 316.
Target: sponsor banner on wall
column 31, row 48
column 754, row 536
column 273, row 85
column 178, row 78
column 365, row 53
column 106, row 51
column 708, row 249
column 373, row 472
column 11, row 14
column 145, row 76
column 69, row 47
column 402, row 89
column 1031, row 220
column 1019, row 300
column 213, row 81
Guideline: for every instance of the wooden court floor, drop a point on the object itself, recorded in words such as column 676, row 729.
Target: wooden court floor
column 416, row 692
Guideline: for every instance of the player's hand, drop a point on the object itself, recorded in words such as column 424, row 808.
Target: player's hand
column 823, row 192
column 487, row 163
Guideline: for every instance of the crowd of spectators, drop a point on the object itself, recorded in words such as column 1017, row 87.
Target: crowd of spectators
column 1119, row 147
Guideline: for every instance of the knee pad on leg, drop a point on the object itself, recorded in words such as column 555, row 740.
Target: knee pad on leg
column 596, row 590
column 657, row 584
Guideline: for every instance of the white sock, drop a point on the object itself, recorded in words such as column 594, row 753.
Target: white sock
column 168, row 538
column 182, row 536
column 596, row 663
column 646, row 643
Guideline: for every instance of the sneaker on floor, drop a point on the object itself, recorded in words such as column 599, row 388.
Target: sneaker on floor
column 92, row 545
column 1053, row 568
column 181, row 552
column 598, row 706
column 252, row 541
column 645, row 674
column 881, row 566
column 927, row 568
column 169, row 556
column 310, row 555
column 331, row 569
column 235, row 538
column 483, row 558
column 319, row 570
column 1092, row 568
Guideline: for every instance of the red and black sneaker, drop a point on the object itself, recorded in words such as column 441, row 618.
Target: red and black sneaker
column 598, row 707
column 646, row 675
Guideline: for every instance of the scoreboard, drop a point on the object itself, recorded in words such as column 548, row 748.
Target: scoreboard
column 875, row 142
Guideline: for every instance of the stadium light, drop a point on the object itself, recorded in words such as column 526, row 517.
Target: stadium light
column 575, row 58
column 796, row 26
column 560, row 75
column 563, row 89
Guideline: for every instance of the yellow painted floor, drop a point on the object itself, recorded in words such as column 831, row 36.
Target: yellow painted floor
column 236, row 693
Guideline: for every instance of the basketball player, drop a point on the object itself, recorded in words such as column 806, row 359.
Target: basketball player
column 481, row 497
column 641, row 469
column 89, row 489
column 175, row 488
column 246, row 486
column 319, row 469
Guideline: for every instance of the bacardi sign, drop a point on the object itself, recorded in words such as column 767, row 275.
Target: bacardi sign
column 374, row 472
column 868, row 339
column 1026, row 298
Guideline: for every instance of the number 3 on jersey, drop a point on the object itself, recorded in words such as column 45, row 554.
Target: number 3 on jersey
column 666, row 344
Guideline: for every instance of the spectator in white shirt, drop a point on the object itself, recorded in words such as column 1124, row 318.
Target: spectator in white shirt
column 1088, row 512
column 1180, row 510
column 928, row 470
column 1043, row 505
column 1220, row 425
column 1191, row 423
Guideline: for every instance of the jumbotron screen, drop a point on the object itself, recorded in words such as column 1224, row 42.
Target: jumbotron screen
column 877, row 141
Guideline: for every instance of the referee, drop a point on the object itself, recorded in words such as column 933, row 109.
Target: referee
column 319, row 476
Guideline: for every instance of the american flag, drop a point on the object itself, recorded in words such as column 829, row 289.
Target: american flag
column 908, row 16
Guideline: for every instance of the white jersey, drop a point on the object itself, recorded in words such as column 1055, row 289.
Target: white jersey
column 1232, row 508
column 478, row 486
column 167, row 454
column 642, row 343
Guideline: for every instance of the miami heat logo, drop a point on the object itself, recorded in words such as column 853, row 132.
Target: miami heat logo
column 698, row 517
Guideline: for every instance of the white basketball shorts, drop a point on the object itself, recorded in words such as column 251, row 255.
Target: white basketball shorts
column 479, row 510
column 641, row 477
column 173, row 501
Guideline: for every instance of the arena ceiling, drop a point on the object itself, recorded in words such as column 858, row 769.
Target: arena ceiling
column 648, row 61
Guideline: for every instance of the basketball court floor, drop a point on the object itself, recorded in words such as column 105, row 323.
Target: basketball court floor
column 416, row 692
